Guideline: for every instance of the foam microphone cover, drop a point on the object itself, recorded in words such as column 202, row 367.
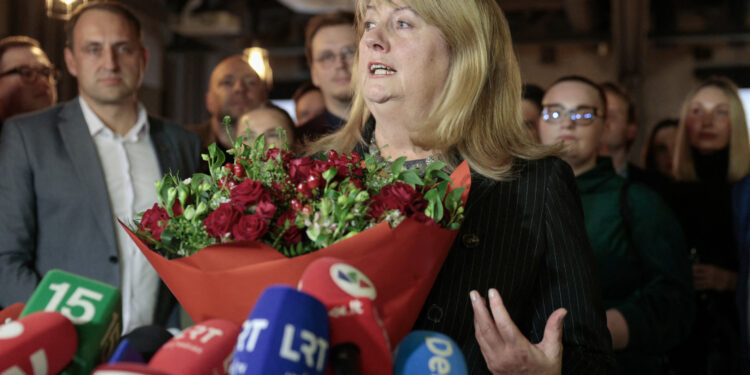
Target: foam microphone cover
column 428, row 352
column 39, row 343
column 204, row 348
column 353, row 314
column 144, row 341
column 127, row 369
column 286, row 333
column 11, row 312
column 93, row 307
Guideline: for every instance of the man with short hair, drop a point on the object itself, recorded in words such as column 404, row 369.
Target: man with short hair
column 621, row 129
column 234, row 89
column 28, row 80
column 71, row 171
column 330, row 45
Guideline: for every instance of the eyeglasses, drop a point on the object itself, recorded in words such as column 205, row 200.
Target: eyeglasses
column 29, row 74
column 555, row 114
column 327, row 59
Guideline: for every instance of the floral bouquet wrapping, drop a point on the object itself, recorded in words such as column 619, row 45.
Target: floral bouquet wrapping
column 219, row 240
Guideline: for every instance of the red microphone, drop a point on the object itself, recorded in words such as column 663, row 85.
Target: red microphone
column 40, row 343
column 11, row 312
column 204, row 348
column 353, row 316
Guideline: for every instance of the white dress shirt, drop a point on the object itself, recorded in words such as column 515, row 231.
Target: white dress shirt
column 130, row 170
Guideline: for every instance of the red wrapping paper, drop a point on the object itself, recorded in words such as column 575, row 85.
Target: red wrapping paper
column 224, row 281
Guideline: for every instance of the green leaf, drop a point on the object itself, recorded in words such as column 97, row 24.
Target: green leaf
column 453, row 198
column 397, row 165
column 330, row 174
column 434, row 166
column 411, row 177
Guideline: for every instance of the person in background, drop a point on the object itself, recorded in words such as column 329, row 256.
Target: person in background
column 234, row 89
column 28, row 80
column 440, row 81
column 71, row 171
column 620, row 132
column 531, row 107
column 330, row 47
column 712, row 153
column 659, row 150
column 267, row 120
column 308, row 103
column 637, row 242
column 741, row 220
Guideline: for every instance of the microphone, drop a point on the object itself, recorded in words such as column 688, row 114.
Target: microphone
column 349, row 297
column 140, row 344
column 286, row 333
column 11, row 312
column 427, row 352
column 93, row 307
column 40, row 343
column 204, row 348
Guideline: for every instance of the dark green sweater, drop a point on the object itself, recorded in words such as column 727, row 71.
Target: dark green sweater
column 650, row 283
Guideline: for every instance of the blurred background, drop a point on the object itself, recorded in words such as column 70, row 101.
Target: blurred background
column 656, row 49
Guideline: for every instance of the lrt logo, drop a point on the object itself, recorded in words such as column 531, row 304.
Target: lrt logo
column 352, row 281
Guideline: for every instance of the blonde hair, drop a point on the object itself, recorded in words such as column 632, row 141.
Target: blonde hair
column 739, row 142
column 477, row 117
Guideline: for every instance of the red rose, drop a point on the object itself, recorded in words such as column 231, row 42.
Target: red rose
column 153, row 221
column 219, row 223
column 299, row 169
column 176, row 209
column 293, row 234
column 380, row 204
column 247, row 193
column 250, row 228
column 321, row 167
column 410, row 199
column 266, row 209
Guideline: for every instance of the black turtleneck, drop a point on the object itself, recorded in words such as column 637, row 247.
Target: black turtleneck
column 712, row 168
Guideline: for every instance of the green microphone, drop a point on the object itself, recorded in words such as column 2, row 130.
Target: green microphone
column 94, row 308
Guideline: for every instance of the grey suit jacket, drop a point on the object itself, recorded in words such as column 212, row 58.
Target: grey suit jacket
column 55, row 211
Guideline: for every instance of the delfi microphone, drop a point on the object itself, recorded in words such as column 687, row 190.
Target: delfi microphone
column 93, row 307
column 204, row 348
column 353, row 315
column 11, row 312
column 428, row 352
column 286, row 333
column 39, row 343
column 140, row 344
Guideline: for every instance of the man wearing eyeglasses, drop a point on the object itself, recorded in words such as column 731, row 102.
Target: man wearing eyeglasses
column 28, row 80
column 638, row 244
column 330, row 45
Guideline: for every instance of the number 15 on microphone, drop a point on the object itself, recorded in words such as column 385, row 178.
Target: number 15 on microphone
column 93, row 307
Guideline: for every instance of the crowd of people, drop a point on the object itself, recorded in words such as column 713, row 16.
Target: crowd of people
column 591, row 264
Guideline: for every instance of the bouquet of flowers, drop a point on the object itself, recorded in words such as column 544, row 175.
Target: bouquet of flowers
column 219, row 240
column 294, row 205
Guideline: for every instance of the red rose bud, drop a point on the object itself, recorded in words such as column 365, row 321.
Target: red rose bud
column 265, row 209
column 332, row 155
column 303, row 189
column 313, row 181
column 354, row 157
column 239, row 171
column 307, row 210
column 296, row 205
column 250, row 228
column 299, row 169
column 247, row 193
column 219, row 223
column 154, row 220
column 228, row 167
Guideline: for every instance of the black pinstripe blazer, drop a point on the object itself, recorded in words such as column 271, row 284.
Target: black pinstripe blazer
column 525, row 237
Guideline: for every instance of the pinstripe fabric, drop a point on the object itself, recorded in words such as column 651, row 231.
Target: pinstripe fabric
column 526, row 238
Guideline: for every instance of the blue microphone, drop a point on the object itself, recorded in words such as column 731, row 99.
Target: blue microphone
column 126, row 352
column 428, row 352
column 140, row 344
column 286, row 333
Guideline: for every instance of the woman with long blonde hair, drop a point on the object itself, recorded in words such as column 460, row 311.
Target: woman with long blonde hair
column 712, row 152
column 440, row 81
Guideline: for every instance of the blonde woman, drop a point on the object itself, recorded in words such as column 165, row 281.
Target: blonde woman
column 439, row 80
column 712, row 153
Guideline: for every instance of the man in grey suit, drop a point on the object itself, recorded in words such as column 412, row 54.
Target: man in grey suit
column 69, row 172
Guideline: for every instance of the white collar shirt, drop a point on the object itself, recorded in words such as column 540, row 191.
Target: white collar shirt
column 130, row 169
